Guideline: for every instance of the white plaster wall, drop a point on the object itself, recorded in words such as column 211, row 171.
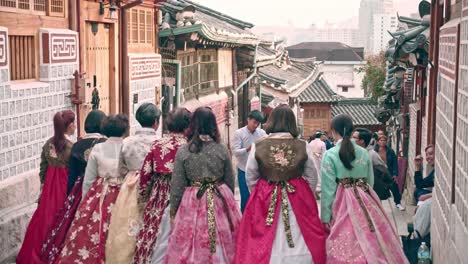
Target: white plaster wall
column 336, row 74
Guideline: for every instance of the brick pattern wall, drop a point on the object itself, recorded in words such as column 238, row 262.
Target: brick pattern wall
column 409, row 189
column 26, row 112
column 145, row 79
column 449, row 225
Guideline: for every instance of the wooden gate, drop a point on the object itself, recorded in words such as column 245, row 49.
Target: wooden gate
column 97, row 67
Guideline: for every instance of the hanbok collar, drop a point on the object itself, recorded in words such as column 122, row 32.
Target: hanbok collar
column 205, row 138
column 280, row 135
column 93, row 135
column 70, row 138
column 115, row 139
column 176, row 135
column 145, row 131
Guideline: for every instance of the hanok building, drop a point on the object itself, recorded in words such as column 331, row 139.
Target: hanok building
column 340, row 64
column 201, row 62
column 282, row 79
column 403, row 107
column 320, row 104
column 53, row 55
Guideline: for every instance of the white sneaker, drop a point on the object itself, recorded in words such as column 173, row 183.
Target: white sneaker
column 400, row 207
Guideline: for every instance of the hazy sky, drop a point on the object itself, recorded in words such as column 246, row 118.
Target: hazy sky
column 301, row 13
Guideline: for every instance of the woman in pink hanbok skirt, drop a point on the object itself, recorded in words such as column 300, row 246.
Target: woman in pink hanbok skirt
column 206, row 216
column 360, row 231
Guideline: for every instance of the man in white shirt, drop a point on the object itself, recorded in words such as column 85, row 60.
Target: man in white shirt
column 242, row 143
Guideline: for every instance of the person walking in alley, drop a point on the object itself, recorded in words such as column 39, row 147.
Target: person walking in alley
column 281, row 222
column 204, row 212
column 242, row 144
column 360, row 231
column 319, row 148
column 53, row 177
column 382, row 179
column 86, row 239
column 154, row 189
column 389, row 157
column 78, row 160
column 126, row 220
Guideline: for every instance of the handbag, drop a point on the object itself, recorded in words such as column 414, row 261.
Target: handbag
column 411, row 246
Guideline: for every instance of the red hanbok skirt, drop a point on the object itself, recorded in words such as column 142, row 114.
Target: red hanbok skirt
column 86, row 239
column 58, row 231
column 151, row 220
column 54, row 193
column 255, row 239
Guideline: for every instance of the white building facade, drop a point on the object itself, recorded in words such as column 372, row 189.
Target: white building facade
column 344, row 78
column 383, row 23
column 367, row 10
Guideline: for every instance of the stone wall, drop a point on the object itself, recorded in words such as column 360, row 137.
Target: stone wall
column 449, row 227
column 27, row 108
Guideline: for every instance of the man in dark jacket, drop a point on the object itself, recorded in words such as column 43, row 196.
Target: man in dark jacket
column 389, row 157
column 382, row 179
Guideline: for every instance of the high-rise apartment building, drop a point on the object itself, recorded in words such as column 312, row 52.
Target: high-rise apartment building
column 382, row 24
column 367, row 10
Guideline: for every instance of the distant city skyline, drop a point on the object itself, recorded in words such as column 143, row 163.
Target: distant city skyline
column 300, row 13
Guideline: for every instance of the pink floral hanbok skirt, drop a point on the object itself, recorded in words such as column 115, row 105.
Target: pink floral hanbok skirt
column 86, row 239
column 190, row 240
column 360, row 231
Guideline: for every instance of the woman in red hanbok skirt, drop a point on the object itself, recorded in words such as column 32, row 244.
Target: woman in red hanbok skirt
column 86, row 239
column 155, row 182
column 280, row 223
column 54, row 176
column 78, row 160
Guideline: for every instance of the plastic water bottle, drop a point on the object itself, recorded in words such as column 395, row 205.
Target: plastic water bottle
column 424, row 256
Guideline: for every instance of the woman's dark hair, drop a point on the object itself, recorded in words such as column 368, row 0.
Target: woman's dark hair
column 343, row 125
column 115, row 125
column 62, row 120
column 147, row 114
column 203, row 122
column 282, row 119
column 178, row 120
column 93, row 121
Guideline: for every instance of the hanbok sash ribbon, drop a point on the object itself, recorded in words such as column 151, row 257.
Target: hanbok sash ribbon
column 355, row 183
column 210, row 187
column 284, row 187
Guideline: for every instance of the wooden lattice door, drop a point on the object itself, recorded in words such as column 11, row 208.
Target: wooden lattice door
column 97, row 66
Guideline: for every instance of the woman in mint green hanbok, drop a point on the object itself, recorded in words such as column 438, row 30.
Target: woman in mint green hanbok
column 360, row 231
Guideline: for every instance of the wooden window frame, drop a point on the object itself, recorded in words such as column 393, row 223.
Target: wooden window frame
column 141, row 33
column 31, row 10
column 23, row 63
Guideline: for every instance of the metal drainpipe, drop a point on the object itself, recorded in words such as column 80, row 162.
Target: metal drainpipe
column 254, row 73
column 123, row 56
column 178, row 65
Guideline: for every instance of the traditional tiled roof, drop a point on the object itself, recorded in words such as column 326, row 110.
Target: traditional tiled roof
column 407, row 48
column 318, row 92
column 287, row 77
column 360, row 109
column 184, row 17
column 326, row 51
